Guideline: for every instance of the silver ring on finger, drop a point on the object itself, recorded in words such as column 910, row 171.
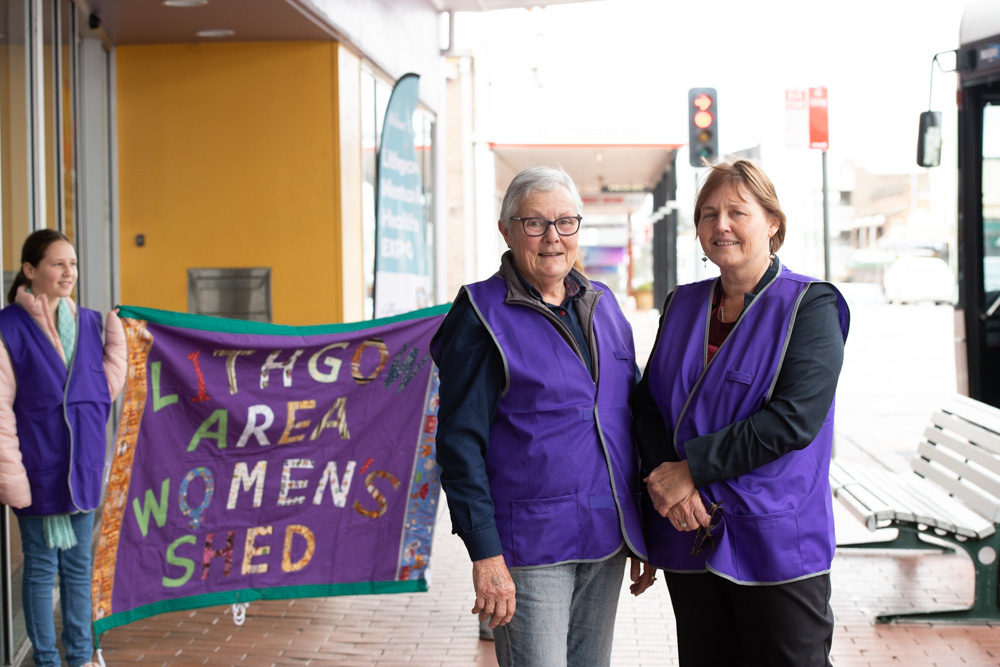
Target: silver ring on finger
column 683, row 525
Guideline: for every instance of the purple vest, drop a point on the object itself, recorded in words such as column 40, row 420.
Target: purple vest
column 61, row 412
column 557, row 435
column 777, row 520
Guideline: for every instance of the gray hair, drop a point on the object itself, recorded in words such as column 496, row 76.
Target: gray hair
column 532, row 180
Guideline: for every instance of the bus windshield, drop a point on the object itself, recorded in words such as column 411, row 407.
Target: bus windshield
column 991, row 201
column 977, row 312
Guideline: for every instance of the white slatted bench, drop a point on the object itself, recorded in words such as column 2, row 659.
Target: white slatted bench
column 952, row 494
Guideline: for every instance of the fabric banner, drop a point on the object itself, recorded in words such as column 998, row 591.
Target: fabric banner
column 258, row 461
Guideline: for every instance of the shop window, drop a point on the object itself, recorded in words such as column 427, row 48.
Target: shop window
column 16, row 166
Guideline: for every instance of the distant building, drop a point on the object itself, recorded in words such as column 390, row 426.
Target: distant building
column 892, row 217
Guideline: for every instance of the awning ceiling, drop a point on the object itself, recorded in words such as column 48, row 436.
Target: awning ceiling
column 592, row 166
column 152, row 22
column 604, row 173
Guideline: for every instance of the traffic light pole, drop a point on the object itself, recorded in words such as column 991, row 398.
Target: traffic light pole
column 826, row 224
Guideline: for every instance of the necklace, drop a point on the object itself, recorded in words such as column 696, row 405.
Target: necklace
column 722, row 311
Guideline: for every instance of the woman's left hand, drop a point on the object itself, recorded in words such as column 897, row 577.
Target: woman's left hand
column 669, row 484
column 640, row 582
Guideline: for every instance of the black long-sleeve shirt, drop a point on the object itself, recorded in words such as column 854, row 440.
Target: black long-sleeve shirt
column 800, row 401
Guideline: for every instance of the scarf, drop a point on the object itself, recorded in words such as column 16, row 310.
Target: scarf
column 58, row 529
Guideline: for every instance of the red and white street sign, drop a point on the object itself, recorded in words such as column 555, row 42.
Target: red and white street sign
column 806, row 118
column 819, row 131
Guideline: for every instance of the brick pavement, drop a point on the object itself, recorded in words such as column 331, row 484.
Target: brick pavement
column 433, row 629
column 436, row 628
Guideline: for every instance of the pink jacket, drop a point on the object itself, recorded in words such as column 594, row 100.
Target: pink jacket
column 14, row 489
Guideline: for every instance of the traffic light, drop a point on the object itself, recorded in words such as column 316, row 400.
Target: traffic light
column 703, row 125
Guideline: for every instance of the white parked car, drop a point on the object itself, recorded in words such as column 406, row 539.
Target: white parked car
column 913, row 279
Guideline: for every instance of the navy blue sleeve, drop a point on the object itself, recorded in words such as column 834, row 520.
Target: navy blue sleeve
column 472, row 381
column 802, row 396
column 655, row 444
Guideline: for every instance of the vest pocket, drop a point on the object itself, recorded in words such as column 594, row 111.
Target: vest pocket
column 765, row 546
column 734, row 375
column 603, row 503
column 544, row 530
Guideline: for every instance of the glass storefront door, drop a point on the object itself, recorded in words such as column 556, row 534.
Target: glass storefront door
column 55, row 172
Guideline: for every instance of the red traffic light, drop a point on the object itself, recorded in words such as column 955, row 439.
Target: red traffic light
column 703, row 102
column 703, row 125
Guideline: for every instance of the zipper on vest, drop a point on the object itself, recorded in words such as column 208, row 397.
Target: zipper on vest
column 69, row 428
column 563, row 330
column 594, row 352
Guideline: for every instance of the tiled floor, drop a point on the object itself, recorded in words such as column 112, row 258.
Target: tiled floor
column 877, row 420
column 436, row 628
column 430, row 629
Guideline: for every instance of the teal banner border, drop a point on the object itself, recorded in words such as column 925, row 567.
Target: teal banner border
column 250, row 594
column 224, row 325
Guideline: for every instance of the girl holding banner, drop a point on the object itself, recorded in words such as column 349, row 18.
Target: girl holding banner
column 53, row 437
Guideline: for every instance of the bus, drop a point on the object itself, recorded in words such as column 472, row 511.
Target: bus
column 977, row 312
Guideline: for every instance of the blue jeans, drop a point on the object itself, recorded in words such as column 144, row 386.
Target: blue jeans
column 74, row 567
column 565, row 615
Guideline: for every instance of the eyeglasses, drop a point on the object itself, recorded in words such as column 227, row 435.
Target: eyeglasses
column 704, row 534
column 538, row 226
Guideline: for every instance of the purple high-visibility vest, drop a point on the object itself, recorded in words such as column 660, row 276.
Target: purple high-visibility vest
column 562, row 463
column 777, row 520
column 61, row 412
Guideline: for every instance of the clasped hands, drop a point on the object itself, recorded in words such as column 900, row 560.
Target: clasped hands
column 675, row 496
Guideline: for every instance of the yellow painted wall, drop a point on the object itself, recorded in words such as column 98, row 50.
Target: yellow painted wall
column 227, row 157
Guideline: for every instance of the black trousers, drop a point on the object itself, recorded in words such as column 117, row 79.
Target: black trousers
column 723, row 624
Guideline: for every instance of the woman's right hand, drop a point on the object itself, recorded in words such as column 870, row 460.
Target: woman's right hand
column 495, row 591
column 689, row 514
column 669, row 484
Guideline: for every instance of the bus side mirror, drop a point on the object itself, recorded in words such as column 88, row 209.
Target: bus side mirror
column 929, row 139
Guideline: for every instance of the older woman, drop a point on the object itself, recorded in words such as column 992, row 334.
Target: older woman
column 535, row 436
column 735, row 424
